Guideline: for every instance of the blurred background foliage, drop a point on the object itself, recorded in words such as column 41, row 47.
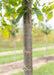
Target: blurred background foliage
column 37, row 39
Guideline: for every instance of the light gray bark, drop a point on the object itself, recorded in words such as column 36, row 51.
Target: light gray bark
column 15, row 49
column 28, row 70
column 46, row 45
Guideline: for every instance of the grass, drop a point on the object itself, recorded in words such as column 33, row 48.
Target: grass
column 47, row 69
column 10, row 58
column 21, row 48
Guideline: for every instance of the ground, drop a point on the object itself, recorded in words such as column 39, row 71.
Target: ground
column 8, row 66
column 46, row 69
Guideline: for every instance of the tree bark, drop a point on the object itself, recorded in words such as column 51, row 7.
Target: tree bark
column 46, row 45
column 28, row 69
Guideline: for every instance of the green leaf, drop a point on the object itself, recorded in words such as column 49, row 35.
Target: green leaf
column 46, row 9
column 50, row 15
column 20, row 9
column 51, row 2
column 0, row 15
column 7, row 15
column 5, row 24
column 9, row 9
column 0, row 5
column 52, row 6
column 34, row 31
column 35, row 4
column 35, row 24
column 5, row 33
column 12, row 2
column 38, row 13
column 44, row 4
column 20, row 15
column 8, row 27
column 11, row 13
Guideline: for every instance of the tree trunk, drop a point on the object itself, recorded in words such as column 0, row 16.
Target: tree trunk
column 15, row 49
column 28, row 70
column 46, row 45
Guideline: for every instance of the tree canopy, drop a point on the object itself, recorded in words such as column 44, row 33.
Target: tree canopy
column 14, row 10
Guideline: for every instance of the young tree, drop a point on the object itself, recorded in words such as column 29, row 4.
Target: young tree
column 46, row 30
column 48, row 12
column 28, row 70
column 13, row 32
